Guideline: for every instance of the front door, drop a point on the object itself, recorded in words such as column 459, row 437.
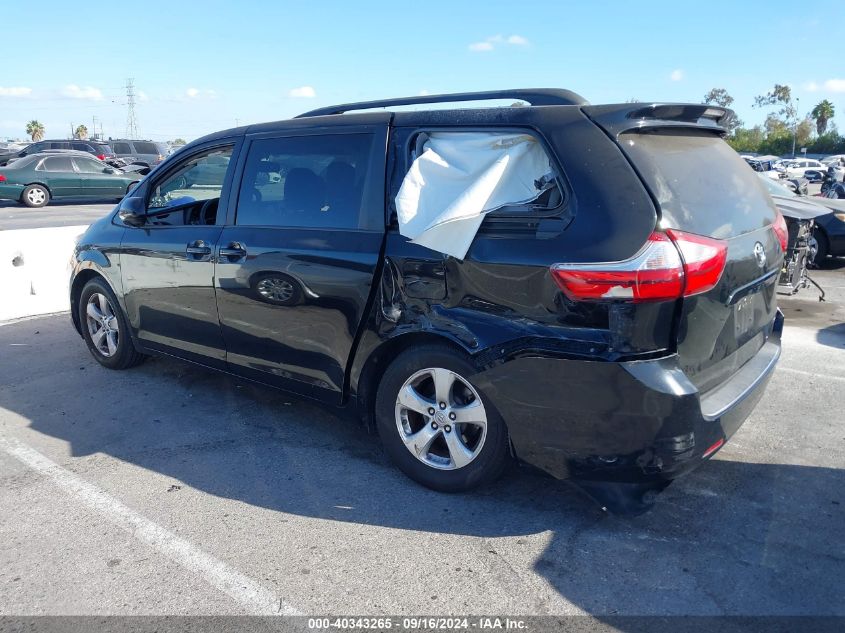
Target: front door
column 167, row 264
column 296, row 260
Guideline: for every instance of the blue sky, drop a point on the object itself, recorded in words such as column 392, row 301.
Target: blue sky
column 203, row 66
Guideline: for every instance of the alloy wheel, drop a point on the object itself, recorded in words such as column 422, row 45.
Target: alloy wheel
column 441, row 418
column 103, row 324
column 36, row 196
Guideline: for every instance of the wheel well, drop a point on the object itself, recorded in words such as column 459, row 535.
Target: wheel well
column 379, row 360
column 40, row 184
column 76, row 290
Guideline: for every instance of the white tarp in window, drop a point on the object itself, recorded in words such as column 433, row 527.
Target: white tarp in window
column 458, row 178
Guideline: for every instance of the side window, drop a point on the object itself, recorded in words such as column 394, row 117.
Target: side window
column 60, row 145
column 305, row 181
column 121, row 148
column 87, row 166
column 37, row 147
column 198, row 178
column 57, row 163
column 145, row 148
column 509, row 174
column 82, row 147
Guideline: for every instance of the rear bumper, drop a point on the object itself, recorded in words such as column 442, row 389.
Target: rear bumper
column 641, row 422
column 11, row 192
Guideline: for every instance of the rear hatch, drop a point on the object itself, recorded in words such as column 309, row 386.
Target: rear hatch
column 701, row 186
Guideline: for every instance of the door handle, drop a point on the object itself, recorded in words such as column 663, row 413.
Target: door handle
column 198, row 250
column 233, row 252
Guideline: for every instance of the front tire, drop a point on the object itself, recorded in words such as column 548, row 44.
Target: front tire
column 435, row 425
column 35, row 196
column 105, row 328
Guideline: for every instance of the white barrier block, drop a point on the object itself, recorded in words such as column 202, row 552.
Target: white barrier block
column 35, row 270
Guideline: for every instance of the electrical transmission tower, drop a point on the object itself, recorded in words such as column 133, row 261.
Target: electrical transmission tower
column 131, row 121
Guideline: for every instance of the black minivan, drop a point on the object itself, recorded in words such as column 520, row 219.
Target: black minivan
column 587, row 289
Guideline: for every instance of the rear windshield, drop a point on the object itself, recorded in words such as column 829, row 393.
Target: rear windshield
column 146, row 148
column 701, row 184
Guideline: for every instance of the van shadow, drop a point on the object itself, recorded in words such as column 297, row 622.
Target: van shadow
column 732, row 537
column 832, row 336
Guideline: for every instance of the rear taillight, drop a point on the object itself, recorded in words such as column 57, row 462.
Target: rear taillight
column 101, row 156
column 781, row 231
column 670, row 265
column 2, row 177
column 704, row 260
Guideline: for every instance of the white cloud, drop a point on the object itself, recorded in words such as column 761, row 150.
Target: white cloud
column 306, row 92
column 88, row 93
column 15, row 91
column 835, row 85
column 142, row 96
column 424, row 93
column 811, row 86
column 493, row 41
column 676, row 75
column 480, row 47
column 197, row 93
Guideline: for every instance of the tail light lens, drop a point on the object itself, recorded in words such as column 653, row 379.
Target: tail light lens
column 781, row 231
column 101, row 156
column 2, row 177
column 669, row 266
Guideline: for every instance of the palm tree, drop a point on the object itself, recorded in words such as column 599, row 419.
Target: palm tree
column 81, row 132
column 822, row 113
column 35, row 129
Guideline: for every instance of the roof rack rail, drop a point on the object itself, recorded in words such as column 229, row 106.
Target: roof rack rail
column 535, row 97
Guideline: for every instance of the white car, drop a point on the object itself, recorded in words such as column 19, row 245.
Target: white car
column 797, row 168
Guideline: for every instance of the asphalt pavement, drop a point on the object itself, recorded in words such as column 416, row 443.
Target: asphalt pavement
column 59, row 213
column 168, row 489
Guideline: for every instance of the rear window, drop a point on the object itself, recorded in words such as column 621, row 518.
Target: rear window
column 700, row 183
column 145, row 148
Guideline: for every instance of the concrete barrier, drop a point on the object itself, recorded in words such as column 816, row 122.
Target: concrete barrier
column 35, row 270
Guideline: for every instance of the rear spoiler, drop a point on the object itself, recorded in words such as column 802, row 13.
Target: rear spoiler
column 629, row 117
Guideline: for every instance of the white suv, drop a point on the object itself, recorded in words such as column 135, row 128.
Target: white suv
column 797, row 168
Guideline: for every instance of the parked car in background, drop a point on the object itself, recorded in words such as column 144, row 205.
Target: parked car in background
column 149, row 153
column 798, row 168
column 36, row 179
column 575, row 320
column 829, row 229
column 8, row 147
column 96, row 148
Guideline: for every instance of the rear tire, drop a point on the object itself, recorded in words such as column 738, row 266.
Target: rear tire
column 105, row 327
column 35, row 196
column 422, row 398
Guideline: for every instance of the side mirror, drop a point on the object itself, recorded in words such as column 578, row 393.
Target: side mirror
column 110, row 170
column 132, row 212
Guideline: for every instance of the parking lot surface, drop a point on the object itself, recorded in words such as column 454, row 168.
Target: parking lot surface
column 16, row 216
column 168, row 489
